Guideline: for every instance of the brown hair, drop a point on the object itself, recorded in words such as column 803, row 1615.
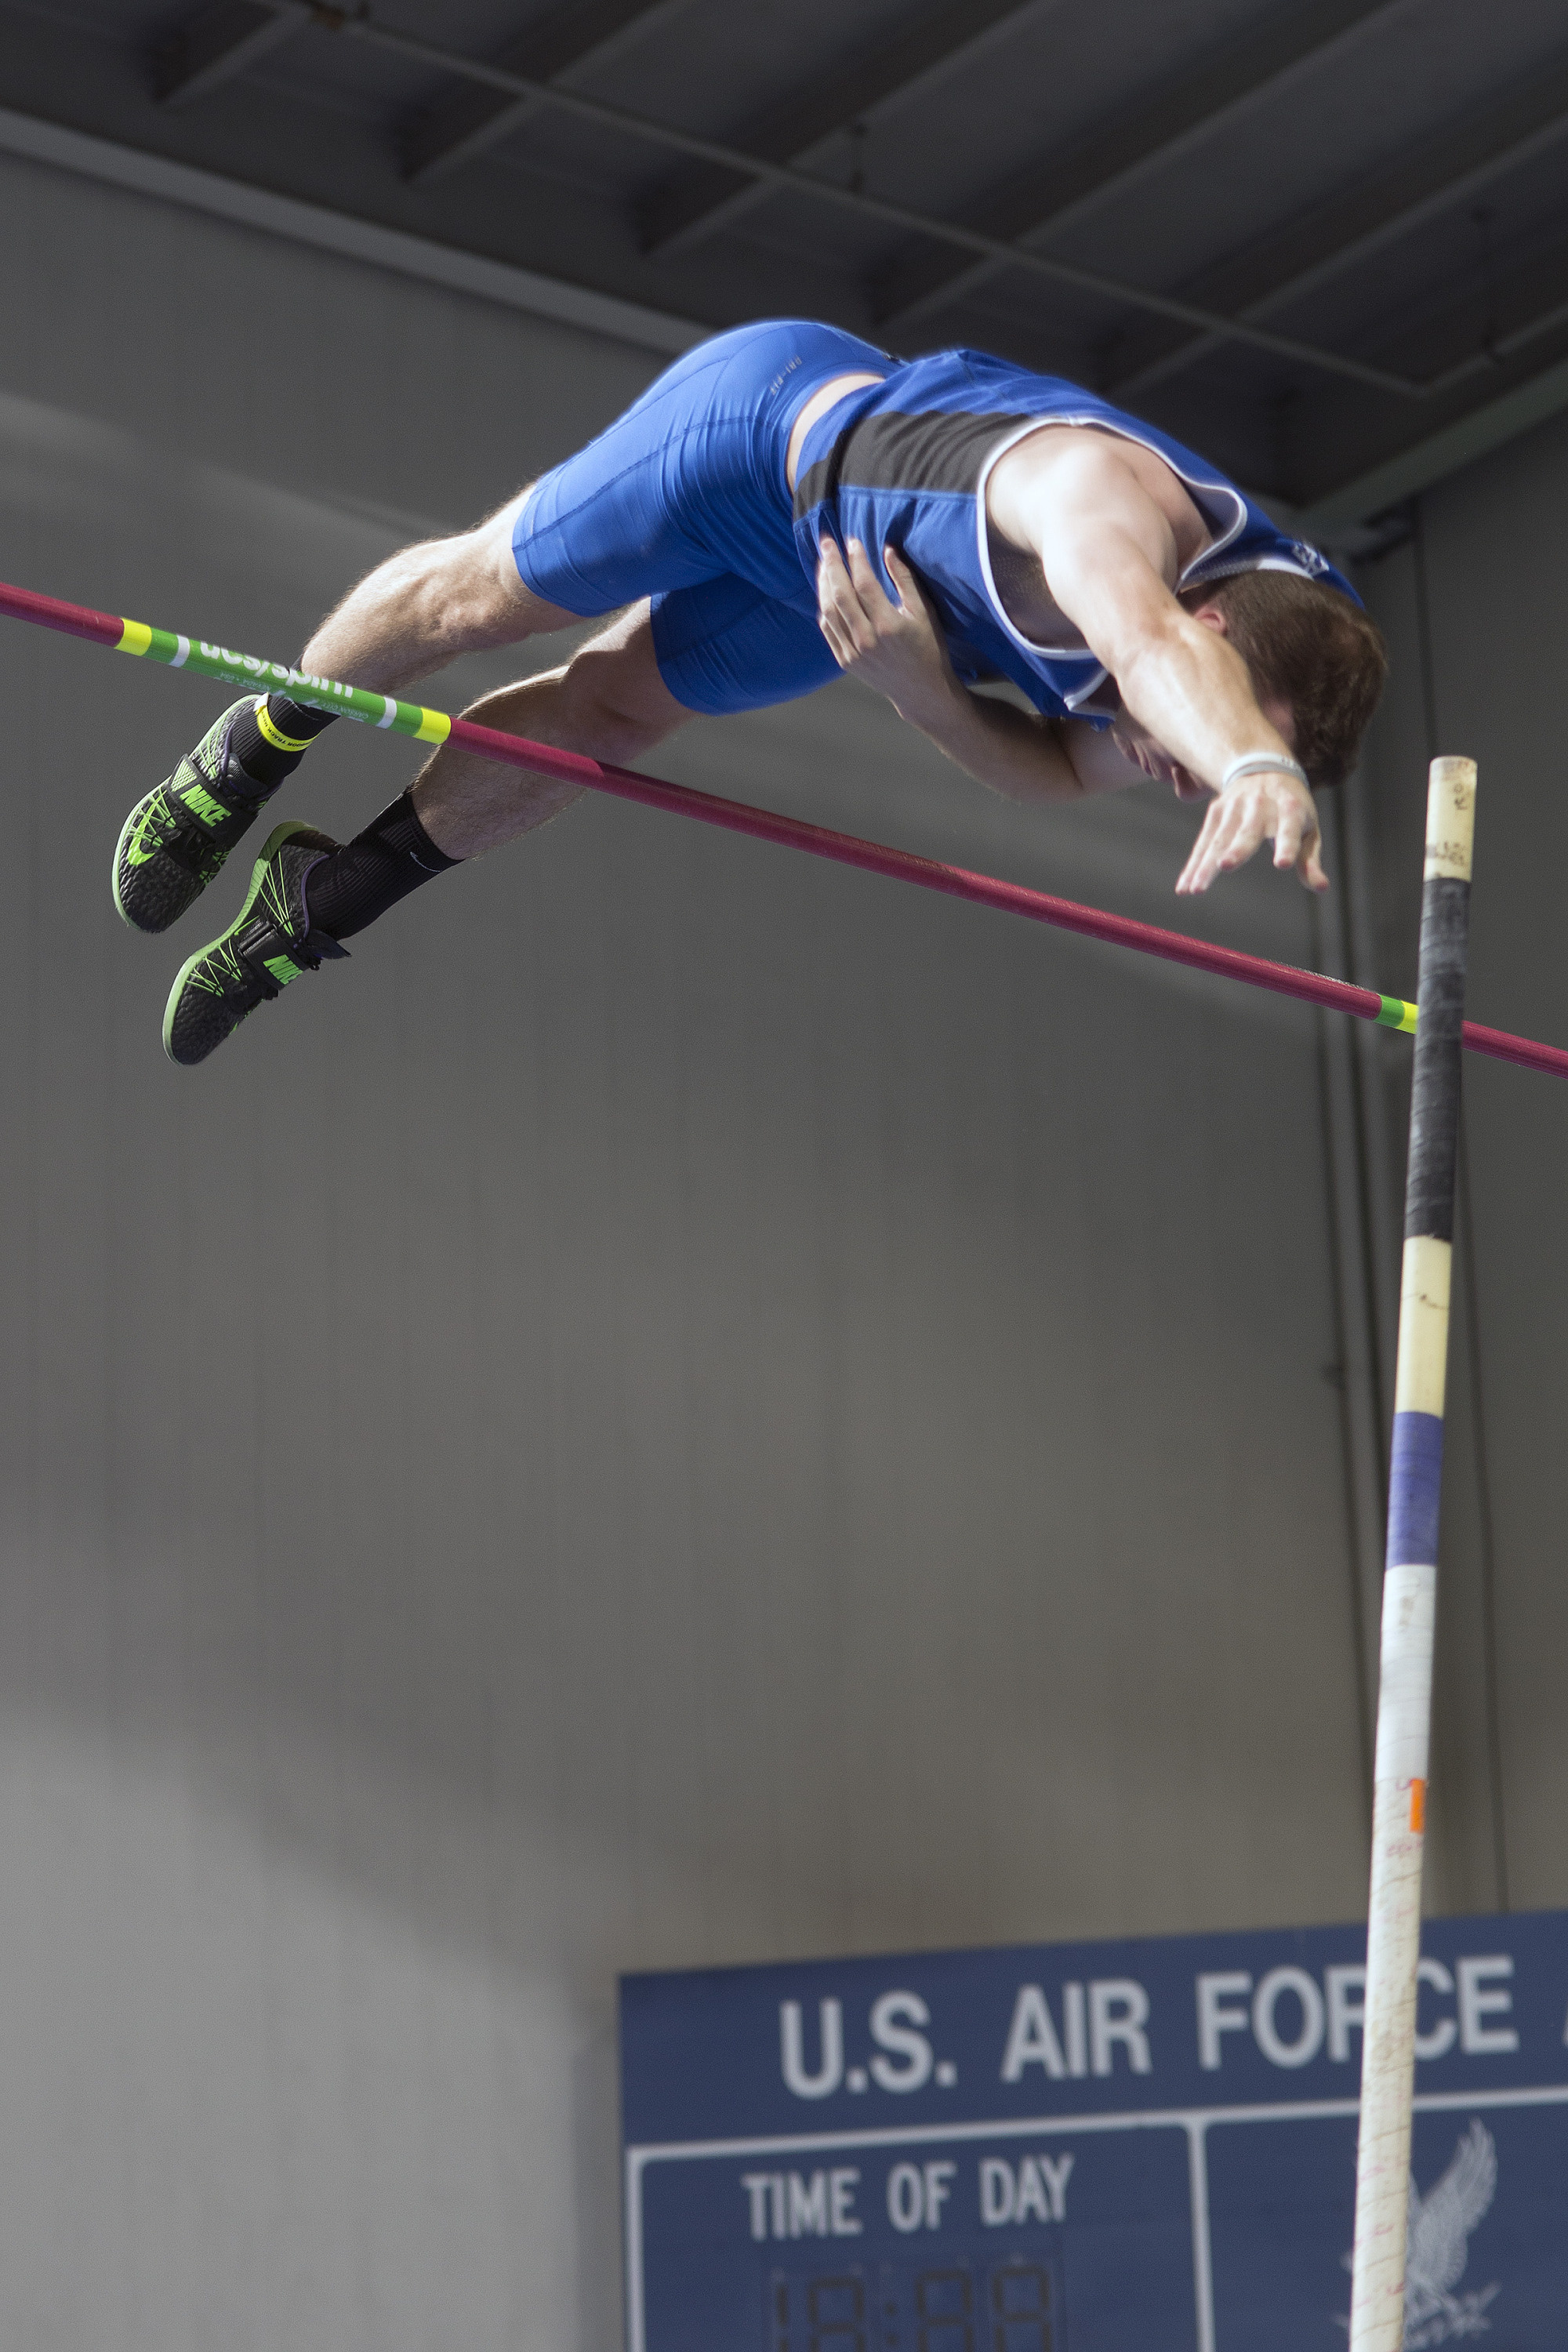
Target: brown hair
column 1307, row 645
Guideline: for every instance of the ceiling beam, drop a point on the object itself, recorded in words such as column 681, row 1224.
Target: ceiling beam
column 1144, row 136
column 210, row 48
column 620, row 121
column 697, row 202
column 1452, row 167
column 466, row 120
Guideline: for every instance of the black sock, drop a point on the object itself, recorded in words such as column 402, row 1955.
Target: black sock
column 354, row 884
column 271, row 740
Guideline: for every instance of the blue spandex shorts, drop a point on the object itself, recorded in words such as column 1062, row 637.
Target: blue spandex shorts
column 685, row 500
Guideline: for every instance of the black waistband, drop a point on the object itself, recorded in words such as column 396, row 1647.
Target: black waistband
column 932, row 450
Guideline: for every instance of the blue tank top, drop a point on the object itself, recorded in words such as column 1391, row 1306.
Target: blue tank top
column 905, row 463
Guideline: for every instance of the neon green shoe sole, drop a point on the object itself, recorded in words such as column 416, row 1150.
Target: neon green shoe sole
column 270, row 942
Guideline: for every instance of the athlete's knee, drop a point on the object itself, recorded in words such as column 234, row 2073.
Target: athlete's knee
column 610, row 718
column 619, row 704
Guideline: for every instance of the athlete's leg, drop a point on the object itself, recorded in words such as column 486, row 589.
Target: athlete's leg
column 412, row 614
column 718, row 646
column 608, row 701
column 308, row 892
column 428, row 604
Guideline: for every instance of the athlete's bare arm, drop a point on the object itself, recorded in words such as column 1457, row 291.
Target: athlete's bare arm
column 1119, row 526
column 898, row 648
column 1110, row 554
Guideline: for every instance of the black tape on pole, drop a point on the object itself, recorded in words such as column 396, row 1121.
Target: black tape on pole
column 1435, row 1084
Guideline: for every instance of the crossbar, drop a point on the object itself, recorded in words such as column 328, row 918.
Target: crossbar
column 427, row 726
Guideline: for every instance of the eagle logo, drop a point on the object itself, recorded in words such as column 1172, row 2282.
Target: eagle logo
column 1437, row 2246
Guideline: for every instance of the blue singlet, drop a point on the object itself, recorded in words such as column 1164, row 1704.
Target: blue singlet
column 685, row 500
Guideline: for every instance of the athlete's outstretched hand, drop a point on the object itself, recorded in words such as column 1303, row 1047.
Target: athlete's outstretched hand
column 1257, row 808
column 896, row 648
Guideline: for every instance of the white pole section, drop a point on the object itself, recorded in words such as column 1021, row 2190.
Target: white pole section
column 1410, row 1583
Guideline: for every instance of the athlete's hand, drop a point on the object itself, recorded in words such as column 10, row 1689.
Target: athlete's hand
column 898, row 648
column 1257, row 808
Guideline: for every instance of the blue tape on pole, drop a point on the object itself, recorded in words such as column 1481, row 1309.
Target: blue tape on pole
column 1415, row 1486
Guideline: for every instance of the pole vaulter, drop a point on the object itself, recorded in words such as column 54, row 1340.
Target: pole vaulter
column 427, row 726
column 787, row 504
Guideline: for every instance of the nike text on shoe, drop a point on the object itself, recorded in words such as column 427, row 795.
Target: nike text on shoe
column 269, row 943
column 176, row 837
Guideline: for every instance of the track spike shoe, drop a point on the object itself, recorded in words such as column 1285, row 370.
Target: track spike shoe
column 269, row 943
column 177, row 837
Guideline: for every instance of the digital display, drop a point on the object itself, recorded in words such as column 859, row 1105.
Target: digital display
column 1132, row 2147
column 967, row 2304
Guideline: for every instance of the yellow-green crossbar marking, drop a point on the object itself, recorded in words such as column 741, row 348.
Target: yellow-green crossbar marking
column 318, row 693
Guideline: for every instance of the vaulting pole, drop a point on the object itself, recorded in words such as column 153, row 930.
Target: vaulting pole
column 737, row 816
column 1410, row 1579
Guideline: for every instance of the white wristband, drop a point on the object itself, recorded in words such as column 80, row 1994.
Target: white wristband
column 1258, row 763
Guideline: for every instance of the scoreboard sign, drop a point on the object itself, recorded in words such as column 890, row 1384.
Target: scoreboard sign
column 1093, row 2148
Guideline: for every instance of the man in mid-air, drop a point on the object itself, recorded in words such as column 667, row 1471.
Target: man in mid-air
column 784, row 503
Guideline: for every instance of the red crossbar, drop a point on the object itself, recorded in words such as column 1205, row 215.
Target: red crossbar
column 873, row 858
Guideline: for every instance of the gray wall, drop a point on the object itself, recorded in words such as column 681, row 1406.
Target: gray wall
column 687, row 1405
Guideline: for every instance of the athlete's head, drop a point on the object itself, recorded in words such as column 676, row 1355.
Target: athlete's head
column 1308, row 647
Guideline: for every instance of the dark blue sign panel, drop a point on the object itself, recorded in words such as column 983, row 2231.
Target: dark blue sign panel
column 1087, row 2148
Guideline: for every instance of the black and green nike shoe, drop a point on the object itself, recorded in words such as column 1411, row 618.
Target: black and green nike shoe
column 177, row 836
column 269, row 943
